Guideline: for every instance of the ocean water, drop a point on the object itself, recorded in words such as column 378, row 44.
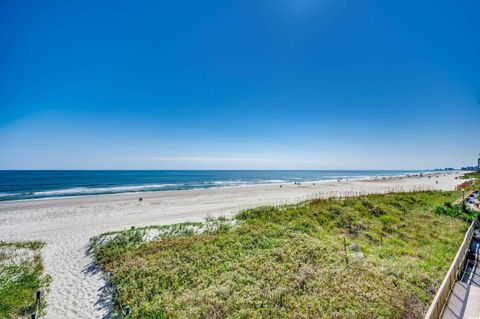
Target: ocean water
column 16, row 185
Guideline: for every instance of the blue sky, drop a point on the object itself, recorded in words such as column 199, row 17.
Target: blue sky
column 280, row 84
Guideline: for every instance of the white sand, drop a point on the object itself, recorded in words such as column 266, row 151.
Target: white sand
column 66, row 225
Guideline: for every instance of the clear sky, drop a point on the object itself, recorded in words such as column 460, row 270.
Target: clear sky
column 280, row 84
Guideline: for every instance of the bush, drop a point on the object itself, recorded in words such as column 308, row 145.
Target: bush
column 456, row 211
column 388, row 222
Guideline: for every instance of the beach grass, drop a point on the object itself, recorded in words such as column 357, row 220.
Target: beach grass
column 361, row 257
column 471, row 175
column 21, row 276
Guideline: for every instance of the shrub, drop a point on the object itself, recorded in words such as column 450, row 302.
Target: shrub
column 388, row 222
column 455, row 211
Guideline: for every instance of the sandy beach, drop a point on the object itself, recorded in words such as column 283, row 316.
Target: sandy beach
column 78, row 290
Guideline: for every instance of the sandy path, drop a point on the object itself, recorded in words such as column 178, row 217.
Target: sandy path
column 66, row 225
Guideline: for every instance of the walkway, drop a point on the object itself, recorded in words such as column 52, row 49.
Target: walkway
column 462, row 198
column 464, row 301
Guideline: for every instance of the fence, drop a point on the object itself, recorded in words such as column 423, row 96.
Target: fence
column 458, row 263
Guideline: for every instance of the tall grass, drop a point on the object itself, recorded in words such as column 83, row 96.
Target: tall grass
column 21, row 275
column 363, row 257
column 471, row 175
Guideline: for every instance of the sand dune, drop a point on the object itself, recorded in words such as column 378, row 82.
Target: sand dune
column 78, row 289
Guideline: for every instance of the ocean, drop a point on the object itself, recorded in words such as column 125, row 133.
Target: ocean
column 17, row 185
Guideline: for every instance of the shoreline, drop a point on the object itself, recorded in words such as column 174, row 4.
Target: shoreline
column 148, row 192
column 67, row 224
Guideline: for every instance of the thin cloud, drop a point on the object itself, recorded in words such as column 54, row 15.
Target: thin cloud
column 208, row 159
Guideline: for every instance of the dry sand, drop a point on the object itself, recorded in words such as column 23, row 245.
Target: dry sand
column 79, row 290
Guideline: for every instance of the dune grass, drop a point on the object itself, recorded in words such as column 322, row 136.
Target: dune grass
column 375, row 256
column 21, row 275
column 474, row 175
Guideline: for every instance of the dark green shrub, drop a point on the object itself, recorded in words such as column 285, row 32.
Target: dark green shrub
column 456, row 211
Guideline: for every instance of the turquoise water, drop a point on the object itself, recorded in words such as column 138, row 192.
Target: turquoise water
column 16, row 185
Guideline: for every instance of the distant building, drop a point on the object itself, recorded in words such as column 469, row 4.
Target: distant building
column 473, row 168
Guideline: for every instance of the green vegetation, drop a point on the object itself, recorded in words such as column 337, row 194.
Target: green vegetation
column 21, row 275
column 375, row 256
column 32, row 245
column 475, row 175
column 457, row 211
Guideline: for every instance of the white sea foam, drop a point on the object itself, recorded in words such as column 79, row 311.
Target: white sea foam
column 227, row 182
column 9, row 194
column 276, row 181
column 126, row 189
column 101, row 190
